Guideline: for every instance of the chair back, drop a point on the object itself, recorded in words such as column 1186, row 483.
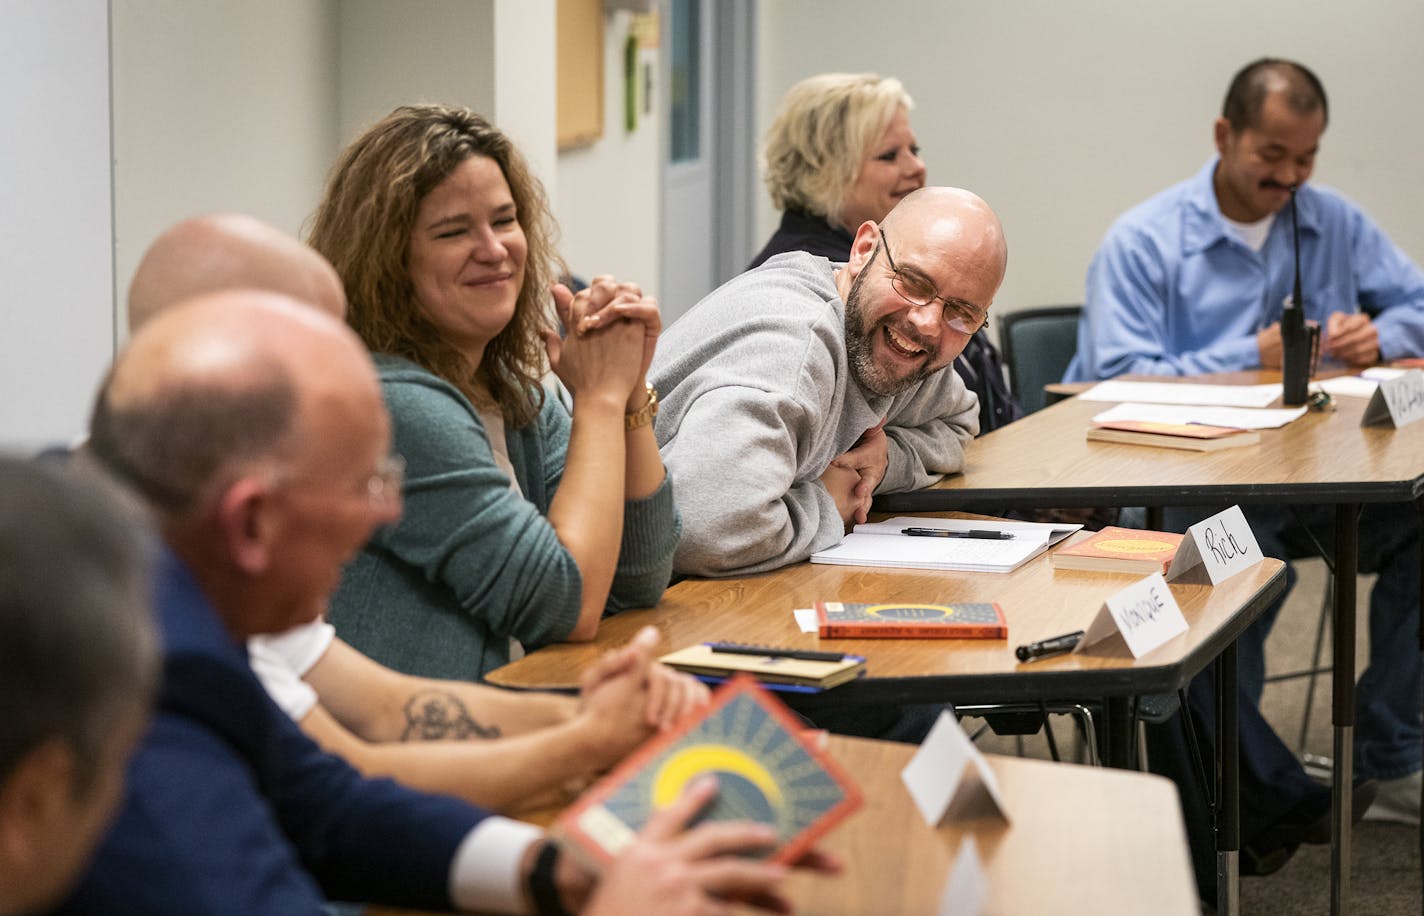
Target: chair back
column 1038, row 344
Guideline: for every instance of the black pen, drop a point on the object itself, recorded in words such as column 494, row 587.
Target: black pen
column 810, row 655
column 1055, row 646
column 979, row 534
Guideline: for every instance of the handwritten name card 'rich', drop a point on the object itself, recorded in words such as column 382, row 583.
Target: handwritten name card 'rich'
column 1215, row 549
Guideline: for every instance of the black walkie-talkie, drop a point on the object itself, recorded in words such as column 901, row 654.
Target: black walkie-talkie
column 1299, row 341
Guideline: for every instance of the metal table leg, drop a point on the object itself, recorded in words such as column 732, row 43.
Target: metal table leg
column 1228, row 789
column 1419, row 508
column 1343, row 703
column 1121, row 733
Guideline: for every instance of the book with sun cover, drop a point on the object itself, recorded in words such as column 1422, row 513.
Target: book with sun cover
column 966, row 620
column 1125, row 550
column 767, row 770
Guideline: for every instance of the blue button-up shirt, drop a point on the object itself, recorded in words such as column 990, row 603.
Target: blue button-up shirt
column 1173, row 290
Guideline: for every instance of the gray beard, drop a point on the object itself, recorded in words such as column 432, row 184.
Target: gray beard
column 860, row 351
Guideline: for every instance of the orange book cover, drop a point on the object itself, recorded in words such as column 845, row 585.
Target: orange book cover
column 1120, row 550
column 768, row 769
column 978, row 620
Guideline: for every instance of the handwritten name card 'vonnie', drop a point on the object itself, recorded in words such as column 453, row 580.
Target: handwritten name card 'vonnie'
column 1215, row 549
column 1145, row 613
column 1399, row 401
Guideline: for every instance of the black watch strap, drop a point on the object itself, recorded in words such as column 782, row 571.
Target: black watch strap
column 543, row 890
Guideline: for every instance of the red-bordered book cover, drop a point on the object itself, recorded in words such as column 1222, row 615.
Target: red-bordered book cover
column 767, row 770
column 966, row 620
column 1125, row 550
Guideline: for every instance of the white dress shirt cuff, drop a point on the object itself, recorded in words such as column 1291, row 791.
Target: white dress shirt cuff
column 484, row 875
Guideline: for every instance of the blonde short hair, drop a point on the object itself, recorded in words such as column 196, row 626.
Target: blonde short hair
column 826, row 128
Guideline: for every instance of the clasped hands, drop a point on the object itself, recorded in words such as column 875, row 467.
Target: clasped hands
column 612, row 334
column 630, row 695
column 853, row 476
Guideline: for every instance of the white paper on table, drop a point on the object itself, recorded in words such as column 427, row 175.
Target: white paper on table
column 806, row 619
column 1382, row 373
column 904, row 552
column 1349, row 386
column 1053, row 531
column 1235, row 417
column 1173, row 393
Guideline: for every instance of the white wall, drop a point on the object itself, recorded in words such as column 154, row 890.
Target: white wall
column 394, row 54
column 1063, row 113
column 56, row 317
column 609, row 197
column 218, row 106
column 525, row 85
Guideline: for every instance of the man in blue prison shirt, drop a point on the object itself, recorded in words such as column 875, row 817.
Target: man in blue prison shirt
column 1194, row 280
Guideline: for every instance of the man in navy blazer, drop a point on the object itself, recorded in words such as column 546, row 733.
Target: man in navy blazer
column 254, row 428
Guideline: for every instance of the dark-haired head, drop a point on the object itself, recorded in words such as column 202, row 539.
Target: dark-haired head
column 1247, row 93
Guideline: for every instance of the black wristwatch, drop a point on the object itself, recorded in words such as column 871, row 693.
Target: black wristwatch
column 543, row 890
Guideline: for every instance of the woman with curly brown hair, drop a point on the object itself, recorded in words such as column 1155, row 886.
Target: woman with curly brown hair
column 522, row 520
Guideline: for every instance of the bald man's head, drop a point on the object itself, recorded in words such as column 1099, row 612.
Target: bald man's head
column 958, row 223
column 217, row 382
column 918, row 285
column 253, row 424
column 229, row 251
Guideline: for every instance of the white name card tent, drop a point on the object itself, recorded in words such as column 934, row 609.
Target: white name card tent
column 949, row 779
column 1215, row 549
column 1397, row 401
column 966, row 891
column 1145, row 613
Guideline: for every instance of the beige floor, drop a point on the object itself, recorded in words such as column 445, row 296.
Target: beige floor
column 1385, row 874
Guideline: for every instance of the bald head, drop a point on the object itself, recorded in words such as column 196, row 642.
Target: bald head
column 229, row 251
column 947, row 248
column 956, row 223
column 218, row 382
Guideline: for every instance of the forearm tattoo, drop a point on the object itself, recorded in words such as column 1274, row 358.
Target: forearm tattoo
column 431, row 715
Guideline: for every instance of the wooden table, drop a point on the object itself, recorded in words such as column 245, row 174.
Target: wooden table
column 1038, row 602
column 1082, row 840
column 1045, row 460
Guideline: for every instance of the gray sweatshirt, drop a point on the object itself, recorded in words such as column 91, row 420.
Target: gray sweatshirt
column 758, row 398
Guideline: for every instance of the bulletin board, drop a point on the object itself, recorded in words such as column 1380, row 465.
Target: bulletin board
column 580, row 72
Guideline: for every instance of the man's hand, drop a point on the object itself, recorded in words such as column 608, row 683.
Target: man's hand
column 625, row 696
column 1268, row 342
column 672, row 870
column 842, row 483
column 870, row 459
column 1353, row 339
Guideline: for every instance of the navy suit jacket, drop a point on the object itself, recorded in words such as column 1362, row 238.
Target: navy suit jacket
column 230, row 808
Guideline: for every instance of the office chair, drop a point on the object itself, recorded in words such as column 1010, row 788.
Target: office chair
column 1038, row 344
